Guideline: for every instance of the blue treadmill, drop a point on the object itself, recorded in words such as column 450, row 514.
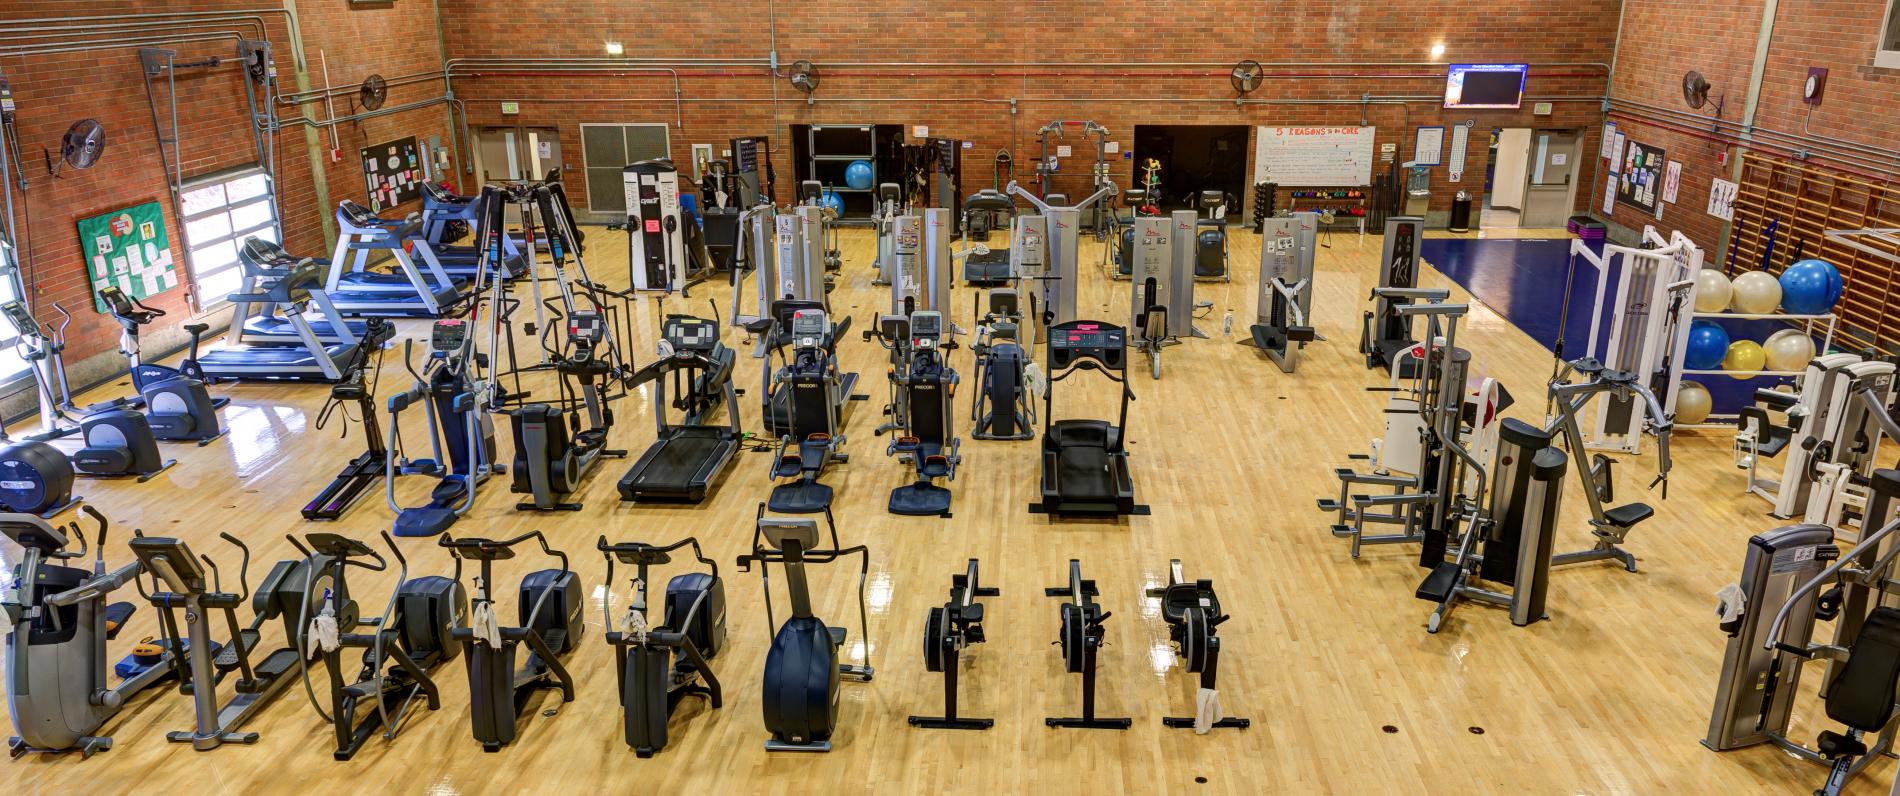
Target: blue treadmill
column 311, row 359
column 263, row 263
column 408, row 291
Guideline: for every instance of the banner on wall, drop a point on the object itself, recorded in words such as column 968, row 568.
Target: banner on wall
column 128, row 249
column 1672, row 181
column 1641, row 183
column 392, row 172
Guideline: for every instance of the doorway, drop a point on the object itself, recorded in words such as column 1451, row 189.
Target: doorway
column 1194, row 158
column 1533, row 178
column 505, row 154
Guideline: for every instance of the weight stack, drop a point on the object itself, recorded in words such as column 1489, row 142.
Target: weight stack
column 1263, row 201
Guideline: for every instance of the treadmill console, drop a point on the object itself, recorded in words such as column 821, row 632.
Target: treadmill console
column 448, row 336
column 687, row 333
column 1074, row 341
column 926, row 330
column 809, row 328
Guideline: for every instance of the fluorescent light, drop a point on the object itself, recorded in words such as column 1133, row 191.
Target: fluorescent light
column 615, row 48
column 1437, row 49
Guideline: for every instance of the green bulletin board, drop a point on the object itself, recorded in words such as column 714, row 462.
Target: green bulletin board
column 128, row 248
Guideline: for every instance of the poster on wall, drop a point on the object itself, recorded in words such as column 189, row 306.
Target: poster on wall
column 1460, row 138
column 1722, row 199
column 1609, row 193
column 1641, row 182
column 1606, row 148
column 128, row 249
column 1672, row 181
column 1314, row 156
column 392, row 172
column 1428, row 149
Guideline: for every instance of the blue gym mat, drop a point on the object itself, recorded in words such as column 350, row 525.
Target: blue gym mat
column 1523, row 279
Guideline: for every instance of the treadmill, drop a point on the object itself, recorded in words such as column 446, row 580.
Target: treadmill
column 263, row 263
column 441, row 210
column 1085, row 462
column 686, row 459
column 312, row 359
column 991, row 268
column 403, row 293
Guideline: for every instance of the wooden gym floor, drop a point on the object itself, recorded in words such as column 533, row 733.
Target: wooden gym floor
column 1329, row 657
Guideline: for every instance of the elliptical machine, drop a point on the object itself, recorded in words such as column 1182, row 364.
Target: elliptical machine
column 497, row 690
column 659, row 666
column 176, row 404
column 116, row 440
column 926, row 429
column 400, row 647
column 803, row 667
column 453, row 393
column 813, row 435
column 363, row 471
column 60, row 620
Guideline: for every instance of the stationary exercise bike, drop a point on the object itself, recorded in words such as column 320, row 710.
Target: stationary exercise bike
column 401, row 647
column 176, row 403
column 59, row 621
column 116, row 440
column 659, row 666
column 802, row 668
column 557, row 444
column 1081, row 637
column 1192, row 612
column 947, row 631
column 497, row 690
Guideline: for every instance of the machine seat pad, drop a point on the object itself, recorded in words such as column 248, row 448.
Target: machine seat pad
column 116, row 614
column 1628, row 514
column 1862, row 694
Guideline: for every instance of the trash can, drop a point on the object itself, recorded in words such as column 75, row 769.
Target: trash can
column 1461, row 212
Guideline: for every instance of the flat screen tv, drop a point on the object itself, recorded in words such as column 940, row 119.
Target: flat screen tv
column 1485, row 85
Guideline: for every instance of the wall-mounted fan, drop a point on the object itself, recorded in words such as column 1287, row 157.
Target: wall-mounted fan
column 82, row 146
column 804, row 76
column 1245, row 76
column 372, row 93
column 1695, row 89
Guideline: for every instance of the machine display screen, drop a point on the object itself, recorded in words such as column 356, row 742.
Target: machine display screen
column 1485, row 85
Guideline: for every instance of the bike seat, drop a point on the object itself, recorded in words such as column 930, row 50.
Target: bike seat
column 196, row 328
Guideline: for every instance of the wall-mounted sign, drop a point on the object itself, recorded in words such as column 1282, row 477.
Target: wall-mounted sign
column 128, row 249
column 510, row 108
column 1541, row 109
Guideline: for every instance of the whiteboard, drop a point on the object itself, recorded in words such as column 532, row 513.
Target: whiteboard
column 1313, row 156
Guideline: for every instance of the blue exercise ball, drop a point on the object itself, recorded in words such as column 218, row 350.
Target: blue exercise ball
column 858, row 175
column 1810, row 287
column 1708, row 344
column 833, row 202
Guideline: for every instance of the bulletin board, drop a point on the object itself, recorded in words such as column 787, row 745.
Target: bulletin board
column 393, row 173
column 129, row 249
column 1640, row 183
column 1313, row 156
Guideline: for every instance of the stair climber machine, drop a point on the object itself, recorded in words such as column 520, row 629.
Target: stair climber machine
column 549, row 605
column 401, row 647
column 1210, row 237
column 925, row 432
column 1085, row 462
column 558, row 442
column 295, row 592
column 812, row 395
column 1283, row 304
column 363, row 471
column 983, row 265
column 453, row 390
column 58, row 621
column 1002, row 408
column 805, row 662
column 115, row 441
column 659, row 666
column 1794, row 579
column 177, row 407
column 687, row 458
column 661, row 239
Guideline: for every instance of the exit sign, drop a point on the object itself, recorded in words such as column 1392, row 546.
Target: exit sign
column 1541, row 109
column 510, row 108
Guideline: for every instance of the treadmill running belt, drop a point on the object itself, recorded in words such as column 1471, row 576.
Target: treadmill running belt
column 679, row 461
column 1082, row 474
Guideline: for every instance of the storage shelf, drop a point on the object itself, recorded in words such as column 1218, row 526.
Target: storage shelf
column 1754, row 374
column 1764, row 316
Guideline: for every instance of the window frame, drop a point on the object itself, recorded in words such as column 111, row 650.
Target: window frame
column 1883, row 57
column 234, row 236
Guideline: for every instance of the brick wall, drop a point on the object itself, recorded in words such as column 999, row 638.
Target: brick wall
column 970, row 98
column 54, row 90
